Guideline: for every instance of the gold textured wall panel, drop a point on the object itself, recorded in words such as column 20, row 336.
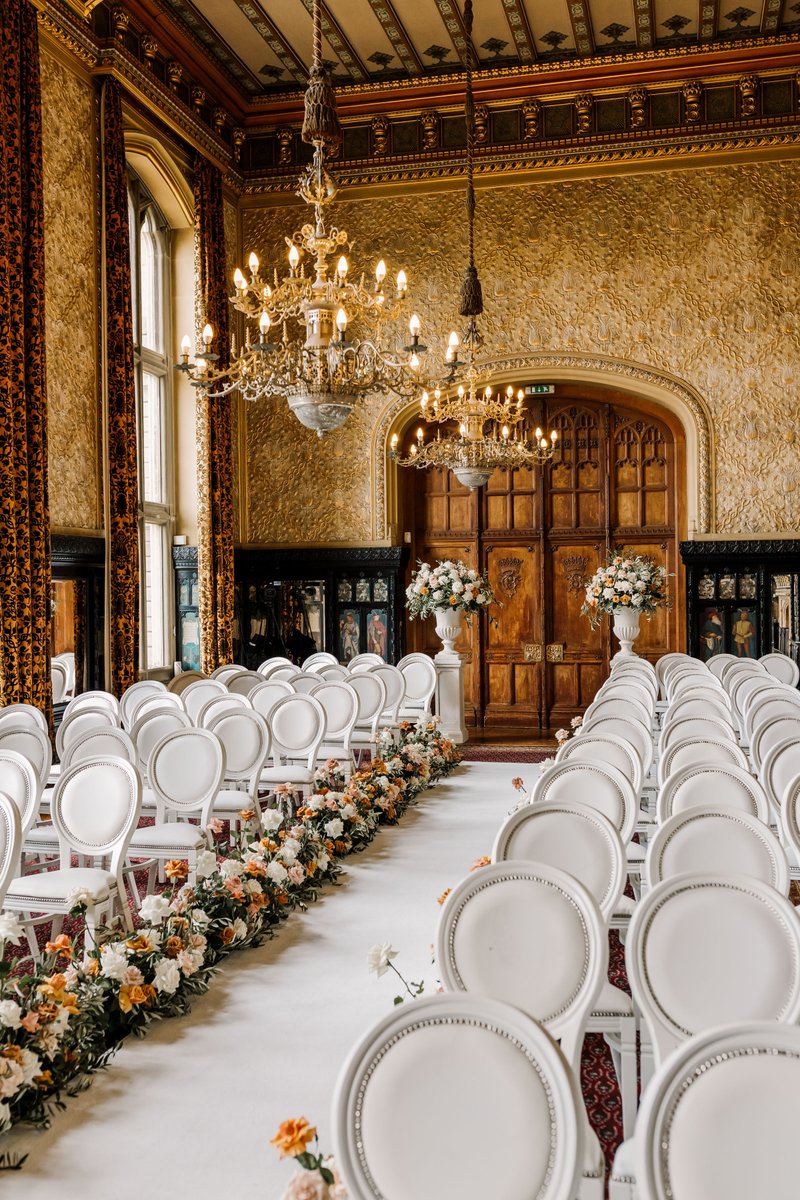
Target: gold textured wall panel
column 231, row 220
column 691, row 272
column 70, row 202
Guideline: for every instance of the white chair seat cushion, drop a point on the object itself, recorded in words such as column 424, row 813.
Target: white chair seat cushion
column 614, row 1001
column 594, row 1163
column 230, row 800
column 624, row 907
column 635, row 853
column 172, row 835
column 286, row 774
column 42, row 835
column 53, row 886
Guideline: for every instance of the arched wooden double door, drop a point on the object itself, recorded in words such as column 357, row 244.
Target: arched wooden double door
column 613, row 481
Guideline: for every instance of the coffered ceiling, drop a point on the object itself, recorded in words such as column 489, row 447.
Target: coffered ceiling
column 264, row 46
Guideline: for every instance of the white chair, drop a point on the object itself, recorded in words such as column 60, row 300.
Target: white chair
column 744, row 666
column 100, row 743
column 395, row 692
column 706, row 706
column 228, row 671
column 297, row 724
column 625, row 675
column 623, row 692
column 615, row 706
column 689, row 676
column 20, row 783
column 724, row 784
column 264, row 698
column 148, row 731
column 782, row 667
column 162, row 702
column 10, row 849
column 371, row 692
column 532, row 936
column 746, row 688
column 630, row 730
column 230, row 702
column 665, row 663
column 81, row 722
column 93, row 699
column 781, row 764
column 32, row 744
column 790, row 818
column 720, row 840
column 321, row 658
column 701, row 691
column 185, row 772
column 419, row 674
column 196, row 694
column 770, row 703
column 244, row 683
column 601, row 786
column 179, row 683
column 133, row 696
column 245, row 738
column 332, row 672
column 95, row 809
column 694, row 751
column 719, row 1120
column 24, row 714
column 59, row 681
column 717, row 663
column 340, row 702
column 430, row 1075
column 579, row 840
column 695, row 727
column 703, row 951
column 288, row 671
column 269, row 664
column 303, row 683
column 360, row 662
column 770, row 733
column 605, row 748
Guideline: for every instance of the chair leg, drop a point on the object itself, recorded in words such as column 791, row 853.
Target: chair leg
column 627, row 1074
column 90, row 932
column 30, row 934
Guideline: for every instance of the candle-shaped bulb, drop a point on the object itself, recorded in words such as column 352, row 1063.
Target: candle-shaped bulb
column 420, row 434
column 520, row 396
column 380, row 272
column 414, row 325
column 402, row 283
column 538, row 433
column 414, row 362
column 395, row 440
column 437, row 393
column 264, row 324
column 505, row 433
column 488, row 391
column 462, row 429
column 510, row 391
column 208, row 335
column 266, row 292
column 461, row 390
column 341, row 268
column 424, row 401
column 186, row 345
column 543, row 443
column 341, row 320
column 252, row 263
column 294, row 258
column 452, row 341
column 553, row 437
column 239, row 281
column 413, row 449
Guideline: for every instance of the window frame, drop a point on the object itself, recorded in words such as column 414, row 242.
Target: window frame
column 158, row 365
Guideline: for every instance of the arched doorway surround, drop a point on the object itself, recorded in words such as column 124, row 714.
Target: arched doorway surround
column 623, row 478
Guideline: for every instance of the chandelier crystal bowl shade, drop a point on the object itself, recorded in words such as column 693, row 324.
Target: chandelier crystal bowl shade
column 490, row 427
column 319, row 335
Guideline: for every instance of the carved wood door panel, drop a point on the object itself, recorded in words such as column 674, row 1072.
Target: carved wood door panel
column 539, row 535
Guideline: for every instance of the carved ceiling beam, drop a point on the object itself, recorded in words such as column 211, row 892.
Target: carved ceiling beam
column 200, row 22
column 393, row 28
column 338, row 42
column 771, row 15
column 289, row 59
column 450, row 13
column 520, row 30
column 645, row 21
column 581, row 21
column 708, row 22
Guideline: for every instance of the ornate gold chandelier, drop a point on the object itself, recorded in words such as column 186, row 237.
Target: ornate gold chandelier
column 317, row 336
column 490, row 434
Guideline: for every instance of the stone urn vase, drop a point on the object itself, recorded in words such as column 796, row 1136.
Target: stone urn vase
column 448, row 628
column 626, row 629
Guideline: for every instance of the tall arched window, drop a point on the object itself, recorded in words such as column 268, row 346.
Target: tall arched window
column 152, row 336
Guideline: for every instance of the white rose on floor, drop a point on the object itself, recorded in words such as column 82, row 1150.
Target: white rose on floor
column 206, row 863
column 10, row 1014
column 154, row 909
column 277, row 872
column 167, row 976
column 114, row 959
column 10, row 928
column 379, row 957
column 334, row 828
column 271, row 820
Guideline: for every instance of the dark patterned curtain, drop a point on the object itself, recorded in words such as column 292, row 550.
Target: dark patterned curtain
column 79, row 633
column 24, row 504
column 122, row 517
column 214, row 438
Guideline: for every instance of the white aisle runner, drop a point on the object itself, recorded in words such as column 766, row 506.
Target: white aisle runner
column 190, row 1109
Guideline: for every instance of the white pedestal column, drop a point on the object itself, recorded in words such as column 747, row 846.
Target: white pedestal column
column 450, row 695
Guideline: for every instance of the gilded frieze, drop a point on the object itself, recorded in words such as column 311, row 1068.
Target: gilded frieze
column 71, row 296
column 690, row 273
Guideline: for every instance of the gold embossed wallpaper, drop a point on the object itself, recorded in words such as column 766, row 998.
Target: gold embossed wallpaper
column 70, row 201
column 690, row 272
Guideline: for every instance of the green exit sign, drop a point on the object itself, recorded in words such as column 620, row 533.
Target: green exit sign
column 539, row 389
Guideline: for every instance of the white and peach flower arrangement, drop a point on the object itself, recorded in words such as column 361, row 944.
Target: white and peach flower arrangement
column 447, row 586
column 628, row 581
column 318, row 1179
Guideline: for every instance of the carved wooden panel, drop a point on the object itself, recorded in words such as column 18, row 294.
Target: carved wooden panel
column 511, row 684
column 576, row 475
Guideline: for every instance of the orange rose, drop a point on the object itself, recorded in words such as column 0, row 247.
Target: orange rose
column 139, row 944
column 444, row 896
column 227, row 935
column 626, row 599
column 173, row 946
column 45, row 1080
column 483, row 861
column 247, row 814
column 61, row 946
column 92, row 967
column 311, row 867
column 176, row 869
column 255, row 868
column 293, row 1137
column 138, row 994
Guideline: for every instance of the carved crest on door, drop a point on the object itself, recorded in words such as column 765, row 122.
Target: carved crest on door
column 574, row 568
column 510, row 570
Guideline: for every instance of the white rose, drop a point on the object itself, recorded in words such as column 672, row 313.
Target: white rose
column 457, row 587
column 5, row 1117
column 167, row 976
column 10, row 1014
column 438, row 595
column 114, row 958
column 154, row 909
column 608, row 593
column 239, row 928
column 379, row 957
column 334, row 828
column 323, row 861
column 231, row 867
column 637, row 602
column 31, row 1066
column 200, row 918
column 277, row 872
column 77, row 897
column 10, row 928
column 271, row 819
column 349, row 812
column 206, row 863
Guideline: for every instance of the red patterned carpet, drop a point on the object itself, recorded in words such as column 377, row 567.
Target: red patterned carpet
column 503, row 753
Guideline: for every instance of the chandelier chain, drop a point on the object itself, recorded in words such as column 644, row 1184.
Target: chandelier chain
column 316, row 62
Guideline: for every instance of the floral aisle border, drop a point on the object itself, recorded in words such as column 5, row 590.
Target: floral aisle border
column 67, row 1017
